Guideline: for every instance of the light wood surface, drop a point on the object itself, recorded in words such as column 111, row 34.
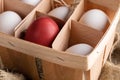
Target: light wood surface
column 111, row 4
column 18, row 6
column 1, row 6
column 42, row 52
column 57, row 64
column 57, row 72
column 19, row 62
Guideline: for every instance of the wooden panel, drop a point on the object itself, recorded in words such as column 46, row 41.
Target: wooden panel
column 62, row 40
column 110, row 13
column 108, row 46
column 41, row 52
column 111, row 4
column 19, row 62
column 1, row 6
column 96, row 68
column 44, row 6
column 83, row 34
column 6, row 58
column 20, row 7
column 69, row 1
column 56, row 72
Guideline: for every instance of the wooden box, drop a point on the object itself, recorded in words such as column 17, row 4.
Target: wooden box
column 56, row 63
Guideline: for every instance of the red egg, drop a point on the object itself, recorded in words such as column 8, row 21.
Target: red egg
column 42, row 31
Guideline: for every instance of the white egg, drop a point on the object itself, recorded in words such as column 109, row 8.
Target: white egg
column 95, row 18
column 80, row 49
column 60, row 12
column 8, row 21
column 31, row 2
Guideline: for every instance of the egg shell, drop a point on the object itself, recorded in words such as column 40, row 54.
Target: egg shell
column 80, row 49
column 8, row 21
column 42, row 31
column 60, row 12
column 31, row 2
column 95, row 18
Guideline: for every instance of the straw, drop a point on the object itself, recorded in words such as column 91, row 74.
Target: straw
column 10, row 76
column 71, row 6
column 111, row 69
column 5, row 75
column 110, row 72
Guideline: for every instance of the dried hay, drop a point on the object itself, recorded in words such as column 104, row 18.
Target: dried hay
column 5, row 75
column 10, row 76
column 111, row 70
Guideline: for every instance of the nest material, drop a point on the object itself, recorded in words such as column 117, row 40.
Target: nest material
column 111, row 70
column 10, row 76
column 58, row 3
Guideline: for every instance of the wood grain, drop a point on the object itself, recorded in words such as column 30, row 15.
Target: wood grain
column 19, row 62
column 57, row 64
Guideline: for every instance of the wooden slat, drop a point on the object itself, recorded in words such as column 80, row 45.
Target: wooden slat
column 62, row 40
column 44, row 6
column 111, row 4
column 42, row 52
column 1, row 6
column 58, row 72
column 18, row 6
column 96, row 68
column 19, row 62
column 83, row 34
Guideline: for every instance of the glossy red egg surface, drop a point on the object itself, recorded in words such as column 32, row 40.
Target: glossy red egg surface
column 42, row 31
